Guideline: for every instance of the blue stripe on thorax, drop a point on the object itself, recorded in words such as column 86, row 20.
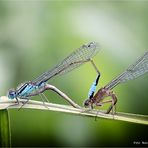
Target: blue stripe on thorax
column 28, row 88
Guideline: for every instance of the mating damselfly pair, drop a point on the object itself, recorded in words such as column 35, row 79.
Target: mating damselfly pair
column 78, row 57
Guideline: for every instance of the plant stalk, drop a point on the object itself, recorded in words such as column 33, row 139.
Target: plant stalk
column 5, row 133
column 128, row 117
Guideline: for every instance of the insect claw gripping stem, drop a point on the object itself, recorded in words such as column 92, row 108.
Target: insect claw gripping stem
column 17, row 103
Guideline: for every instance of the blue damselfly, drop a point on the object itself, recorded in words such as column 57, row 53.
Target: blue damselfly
column 39, row 85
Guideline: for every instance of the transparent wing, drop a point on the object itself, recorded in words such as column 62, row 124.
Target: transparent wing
column 74, row 60
column 139, row 68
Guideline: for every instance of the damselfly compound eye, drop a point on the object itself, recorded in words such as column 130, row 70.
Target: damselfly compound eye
column 86, row 103
column 12, row 94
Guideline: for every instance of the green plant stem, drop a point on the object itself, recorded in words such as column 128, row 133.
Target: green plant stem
column 128, row 117
column 5, row 134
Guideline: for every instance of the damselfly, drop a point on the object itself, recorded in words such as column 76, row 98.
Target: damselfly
column 39, row 85
column 139, row 68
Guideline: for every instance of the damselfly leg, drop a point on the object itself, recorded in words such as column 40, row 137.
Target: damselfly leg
column 16, row 103
column 23, row 103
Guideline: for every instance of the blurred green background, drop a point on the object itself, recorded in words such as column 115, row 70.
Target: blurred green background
column 36, row 35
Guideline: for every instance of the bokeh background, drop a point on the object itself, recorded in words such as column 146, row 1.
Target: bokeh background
column 36, row 35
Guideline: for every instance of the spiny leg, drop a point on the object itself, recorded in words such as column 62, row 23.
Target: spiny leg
column 100, row 104
column 23, row 103
column 41, row 94
column 43, row 97
column 114, row 109
column 114, row 101
column 28, row 101
column 110, row 107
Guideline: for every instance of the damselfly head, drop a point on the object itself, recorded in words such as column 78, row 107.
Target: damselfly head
column 12, row 94
column 87, row 103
